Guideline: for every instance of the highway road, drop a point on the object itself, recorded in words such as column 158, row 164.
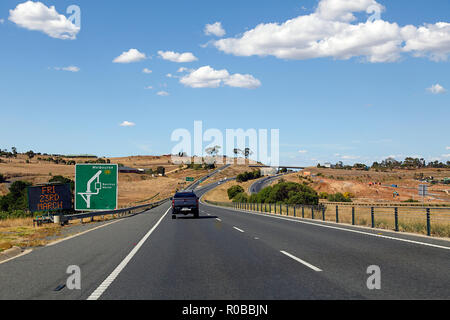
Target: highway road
column 261, row 183
column 230, row 254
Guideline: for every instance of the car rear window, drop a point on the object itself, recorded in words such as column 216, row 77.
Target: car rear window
column 185, row 195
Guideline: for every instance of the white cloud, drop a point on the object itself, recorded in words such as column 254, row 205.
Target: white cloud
column 446, row 155
column 182, row 69
column 149, row 88
column 169, row 75
column 332, row 30
column 69, row 68
column 163, row 93
column 447, row 148
column 130, row 56
column 207, row 77
column 436, row 89
column 38, row 17
column 215, row 29
column 147, row 71
column 177, row 57
column 127, row 124
column 303, row 151
column 2, row 21
column 242, row 81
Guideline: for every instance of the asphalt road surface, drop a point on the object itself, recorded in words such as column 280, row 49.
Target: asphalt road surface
column 229, row 254
column 260, row 184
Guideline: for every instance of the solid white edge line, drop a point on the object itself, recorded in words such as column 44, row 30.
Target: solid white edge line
column 81, row 233
column 18, row 256
column 301, row 261
column 337, row 228
column 110, row 279
column 239, row 229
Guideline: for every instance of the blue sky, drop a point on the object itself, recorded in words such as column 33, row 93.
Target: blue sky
column 344, row 97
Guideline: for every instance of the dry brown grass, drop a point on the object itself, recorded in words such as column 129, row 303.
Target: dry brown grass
column 220, row 194
column 357, row 183
column 21, row 233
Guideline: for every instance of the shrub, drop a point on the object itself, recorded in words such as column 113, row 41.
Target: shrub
column 241, row 198
column 288, row 193
column 246, row 176
column 234, row 191
column 2, row 178
column 323, row 195
column 338, row 197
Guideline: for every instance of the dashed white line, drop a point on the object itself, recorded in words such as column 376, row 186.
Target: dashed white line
column 239, row 229
column 102, row 288
column 344, row 229
column 218, row 220
column 301, row 261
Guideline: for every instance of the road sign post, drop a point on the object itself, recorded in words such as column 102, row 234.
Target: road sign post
column 96, row 187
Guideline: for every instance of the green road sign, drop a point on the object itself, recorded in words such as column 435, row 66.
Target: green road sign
column 96, row 187
column 188, row 179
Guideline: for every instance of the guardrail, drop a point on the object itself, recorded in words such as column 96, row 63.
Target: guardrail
column 392, row 204
column 431, row 221
column 64, row 219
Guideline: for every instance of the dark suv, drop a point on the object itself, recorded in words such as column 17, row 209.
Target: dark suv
column 185, row 203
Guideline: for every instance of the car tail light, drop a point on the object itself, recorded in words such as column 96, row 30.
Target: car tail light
column 173, row 203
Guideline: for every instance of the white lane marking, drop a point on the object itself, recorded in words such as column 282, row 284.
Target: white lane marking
column 218, row 220
column 110, row 279
column 239, row 229
column 81, row 233
column 301, row 261
column 348, row 230
column 18, row 256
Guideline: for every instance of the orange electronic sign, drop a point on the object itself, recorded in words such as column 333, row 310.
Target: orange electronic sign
column 50, row 198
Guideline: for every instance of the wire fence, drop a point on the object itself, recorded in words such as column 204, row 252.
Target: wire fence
column 431, row 221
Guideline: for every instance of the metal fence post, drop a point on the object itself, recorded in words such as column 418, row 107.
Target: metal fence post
column 353, row 216
column 323, row 214
column 287, row 210
column 428, row 222
column 275, row 206
column 303, row 212
column 372, row 213
column 295, row 214
column 281, row 210
column 337, row 214
column 312, row 212
column 396, row 219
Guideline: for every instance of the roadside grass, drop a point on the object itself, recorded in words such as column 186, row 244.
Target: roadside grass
column 21, row 232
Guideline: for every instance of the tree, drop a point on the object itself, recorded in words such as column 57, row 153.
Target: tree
column 17, row 198
column 234, row 191
column 14, row 151
column 30, row 154
column 63, row 180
